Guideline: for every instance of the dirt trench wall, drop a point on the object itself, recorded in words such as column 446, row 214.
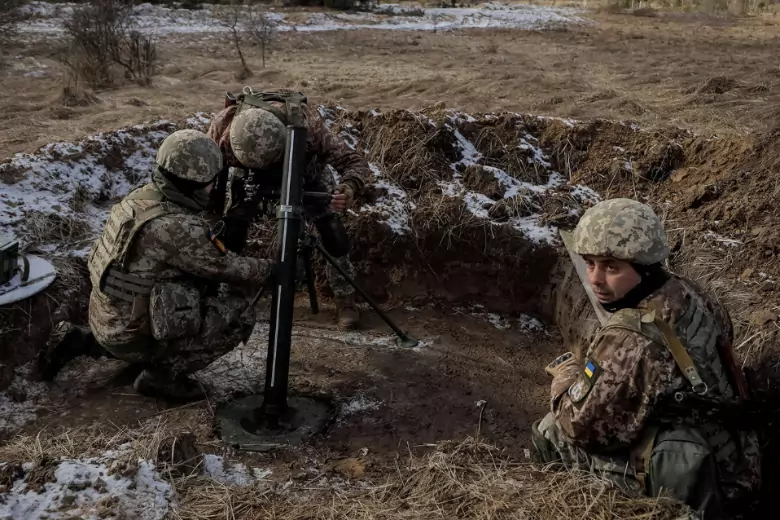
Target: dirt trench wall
column 462, row 208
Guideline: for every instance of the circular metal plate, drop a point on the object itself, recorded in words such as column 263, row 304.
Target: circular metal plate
column 306, row 417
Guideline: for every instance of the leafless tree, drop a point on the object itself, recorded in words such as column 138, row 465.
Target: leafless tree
column 232, row 16
column 260, row 27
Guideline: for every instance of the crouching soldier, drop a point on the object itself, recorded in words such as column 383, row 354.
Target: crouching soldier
column 251, row 133
column 154, row 271
column 625, row 409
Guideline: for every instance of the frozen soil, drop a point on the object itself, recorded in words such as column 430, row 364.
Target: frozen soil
column 457, row 233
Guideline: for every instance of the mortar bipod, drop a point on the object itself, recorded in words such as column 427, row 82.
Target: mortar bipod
column 309, row 242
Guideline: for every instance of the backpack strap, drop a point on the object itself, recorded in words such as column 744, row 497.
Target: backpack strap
column 653, row 315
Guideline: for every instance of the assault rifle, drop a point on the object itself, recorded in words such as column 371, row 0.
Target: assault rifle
column 293, row 239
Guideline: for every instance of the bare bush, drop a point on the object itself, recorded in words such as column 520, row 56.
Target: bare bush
column 231, row 17
column 247, row 21
column 260, row 27
column 101, row 37
column 11, row 15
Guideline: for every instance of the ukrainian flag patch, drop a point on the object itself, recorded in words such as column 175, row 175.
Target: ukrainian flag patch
column 582, row 387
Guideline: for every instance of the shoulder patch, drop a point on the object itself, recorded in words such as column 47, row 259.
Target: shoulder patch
column 580, row 389
column 213, row 237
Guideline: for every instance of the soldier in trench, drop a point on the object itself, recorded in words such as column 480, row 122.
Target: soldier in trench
column 156, row 298
column 251, row 135
column 625, row 409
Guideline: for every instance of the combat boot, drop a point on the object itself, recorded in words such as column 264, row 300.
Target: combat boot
column 67, row 342
column 347, row 316
column 161, row 385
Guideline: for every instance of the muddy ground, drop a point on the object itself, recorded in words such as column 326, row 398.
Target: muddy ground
column 697, row 96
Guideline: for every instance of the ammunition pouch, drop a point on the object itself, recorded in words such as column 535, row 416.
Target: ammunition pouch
column 333, row 234
column 174, row 311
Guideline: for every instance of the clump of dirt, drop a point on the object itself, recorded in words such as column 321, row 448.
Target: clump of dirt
column 28, row 324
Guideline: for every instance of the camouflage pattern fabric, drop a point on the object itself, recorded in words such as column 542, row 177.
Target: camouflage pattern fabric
column 623, row 229
column 257, row 138
column 323, row 148
column 174, row 311
column 173, row 247
column 338, row 284
column 226, row 323
column 602, row 406
column 190, row 154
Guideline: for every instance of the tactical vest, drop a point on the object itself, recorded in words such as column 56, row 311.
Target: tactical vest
column 109, row 255
column 692, row 342
column 292, row 100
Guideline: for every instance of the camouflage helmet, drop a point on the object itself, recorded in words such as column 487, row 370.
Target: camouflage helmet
column 191, row 155
column 258, row 138
column 624, row 229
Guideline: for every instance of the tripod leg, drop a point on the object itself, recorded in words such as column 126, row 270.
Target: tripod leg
column 405, row 339
column 306, row 253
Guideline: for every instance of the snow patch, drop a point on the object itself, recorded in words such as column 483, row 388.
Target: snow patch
column 20, row 402
column 235, row 475
column 86, row 488
column 161, row 20
column 75, row 183
column 358, row 404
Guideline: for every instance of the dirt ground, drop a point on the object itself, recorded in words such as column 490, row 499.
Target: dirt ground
column 710, row 74
column 467, row 378
column 701, row 73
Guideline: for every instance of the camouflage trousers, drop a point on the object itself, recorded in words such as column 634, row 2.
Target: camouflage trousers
column 225, row 322
column 338, row 284
column 551, row 446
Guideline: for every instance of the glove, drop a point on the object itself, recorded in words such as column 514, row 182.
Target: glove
column 560, row 363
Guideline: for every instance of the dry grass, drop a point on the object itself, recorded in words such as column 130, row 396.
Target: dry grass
column 469, row 479
column 377, row 69
column 52, row 228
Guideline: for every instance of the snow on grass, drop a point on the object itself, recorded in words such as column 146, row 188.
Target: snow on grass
column 235, row 475
column 89, row 489
column 479, row 204
column 74, row 184
column 162, row 20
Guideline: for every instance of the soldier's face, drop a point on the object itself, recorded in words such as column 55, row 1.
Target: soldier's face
column 610, row 279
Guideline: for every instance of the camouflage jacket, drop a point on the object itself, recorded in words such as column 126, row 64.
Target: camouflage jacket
column 323, row 148
column 173, row 247
column 604, row 404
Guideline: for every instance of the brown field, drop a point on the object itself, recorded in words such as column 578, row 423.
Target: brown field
column 703, row 73
column 697, row 71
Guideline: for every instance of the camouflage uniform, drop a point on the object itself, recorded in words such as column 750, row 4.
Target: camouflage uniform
column 612, row 402
column 155, row 275
column 323, row 148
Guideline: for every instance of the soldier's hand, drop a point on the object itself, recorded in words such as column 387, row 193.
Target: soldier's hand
column 342, row 198
column 560, row 363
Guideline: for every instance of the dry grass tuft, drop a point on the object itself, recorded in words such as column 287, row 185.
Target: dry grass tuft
column 47, row 228
column 469, row 479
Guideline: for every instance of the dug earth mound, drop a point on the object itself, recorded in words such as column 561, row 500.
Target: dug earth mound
column 458, row 237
